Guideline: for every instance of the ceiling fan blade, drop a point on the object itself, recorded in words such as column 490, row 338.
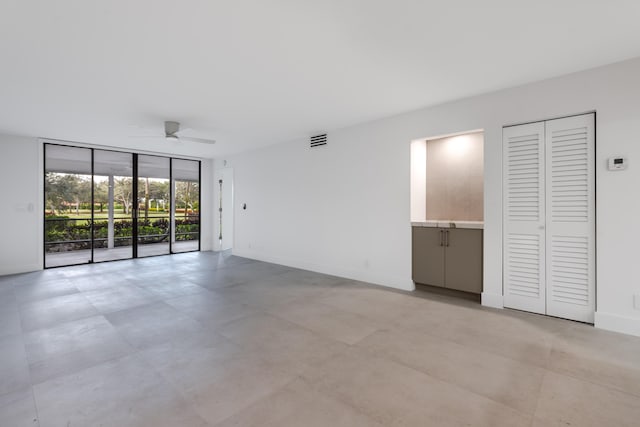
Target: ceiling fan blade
column 201, row 140
column 172, row 132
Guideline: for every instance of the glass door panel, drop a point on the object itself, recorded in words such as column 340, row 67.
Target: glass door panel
column 153, row 205
column 112, row 205
column 103, row 205
column 67, row 210
column 186, row 206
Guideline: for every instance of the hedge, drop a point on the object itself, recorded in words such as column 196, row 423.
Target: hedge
column 68, row 234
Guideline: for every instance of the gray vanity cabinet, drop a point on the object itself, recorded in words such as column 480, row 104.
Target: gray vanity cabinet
column 463, row 260
column 447, row 257
column 428, row 255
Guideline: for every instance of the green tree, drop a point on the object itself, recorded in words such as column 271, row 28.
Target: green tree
column 101, row 193
column 83, row 193
column 159, row 190
column 66, row 190
column 122, row 192
column 187, row 193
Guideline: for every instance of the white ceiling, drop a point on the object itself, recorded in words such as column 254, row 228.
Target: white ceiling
column 250, row 73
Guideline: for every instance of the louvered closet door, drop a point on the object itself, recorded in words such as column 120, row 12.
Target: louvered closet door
column 524, row 217
column 570, row 200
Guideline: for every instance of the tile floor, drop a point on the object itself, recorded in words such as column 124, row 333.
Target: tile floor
column 208, row 339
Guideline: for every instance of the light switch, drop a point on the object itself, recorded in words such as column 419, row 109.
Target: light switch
column 617, row 163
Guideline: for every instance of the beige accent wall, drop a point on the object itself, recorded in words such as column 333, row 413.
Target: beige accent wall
column 455, row 178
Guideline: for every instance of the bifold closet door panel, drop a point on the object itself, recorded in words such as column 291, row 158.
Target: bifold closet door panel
column 570, row 202
column 524, row 217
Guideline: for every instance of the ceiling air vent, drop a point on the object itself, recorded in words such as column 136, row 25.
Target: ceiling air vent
column 318, row 140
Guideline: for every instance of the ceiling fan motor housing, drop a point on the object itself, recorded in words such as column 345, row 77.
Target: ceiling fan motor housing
column 170, row 128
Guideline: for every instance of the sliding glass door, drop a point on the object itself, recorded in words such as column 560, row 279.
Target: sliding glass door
column 67, row 206
column 154, row 205
column 186, row 205
column 103, row 205
column 112, row 205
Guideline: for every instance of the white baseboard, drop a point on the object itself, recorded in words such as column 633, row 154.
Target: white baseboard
column 405, row 284
column 492, row 300
column 17, row 269
column 617, row 323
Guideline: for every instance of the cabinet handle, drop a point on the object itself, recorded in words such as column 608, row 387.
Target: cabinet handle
column 447, row 237
column 441, row 237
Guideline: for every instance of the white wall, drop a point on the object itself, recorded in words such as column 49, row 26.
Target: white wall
column 21, row 212
column 418, row 186
column 305, row 208
column 345, row 209
column 21, row 216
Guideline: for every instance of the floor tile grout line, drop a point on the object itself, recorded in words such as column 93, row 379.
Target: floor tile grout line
column 335, row 398
column 26, row 361
column 35, row 403
column 265, row 313
column 84, row 368
column 314, row 385
column 593, row 382
column 473, row 347
column 442, row 380
column 270, row 394
column 170, row 383
column 537, row 406
column 477, row 348
column 64, row 321
column 376, row 328
column 138, row 356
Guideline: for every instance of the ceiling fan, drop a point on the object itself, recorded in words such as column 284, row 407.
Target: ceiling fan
column 172, row 133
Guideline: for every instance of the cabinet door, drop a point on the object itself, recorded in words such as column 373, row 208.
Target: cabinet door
column 463, row 260
column 428, row 256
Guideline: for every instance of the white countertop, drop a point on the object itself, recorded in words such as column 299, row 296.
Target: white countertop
column 449, row 224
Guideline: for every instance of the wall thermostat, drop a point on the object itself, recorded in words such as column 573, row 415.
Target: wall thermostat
column 617, row 163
